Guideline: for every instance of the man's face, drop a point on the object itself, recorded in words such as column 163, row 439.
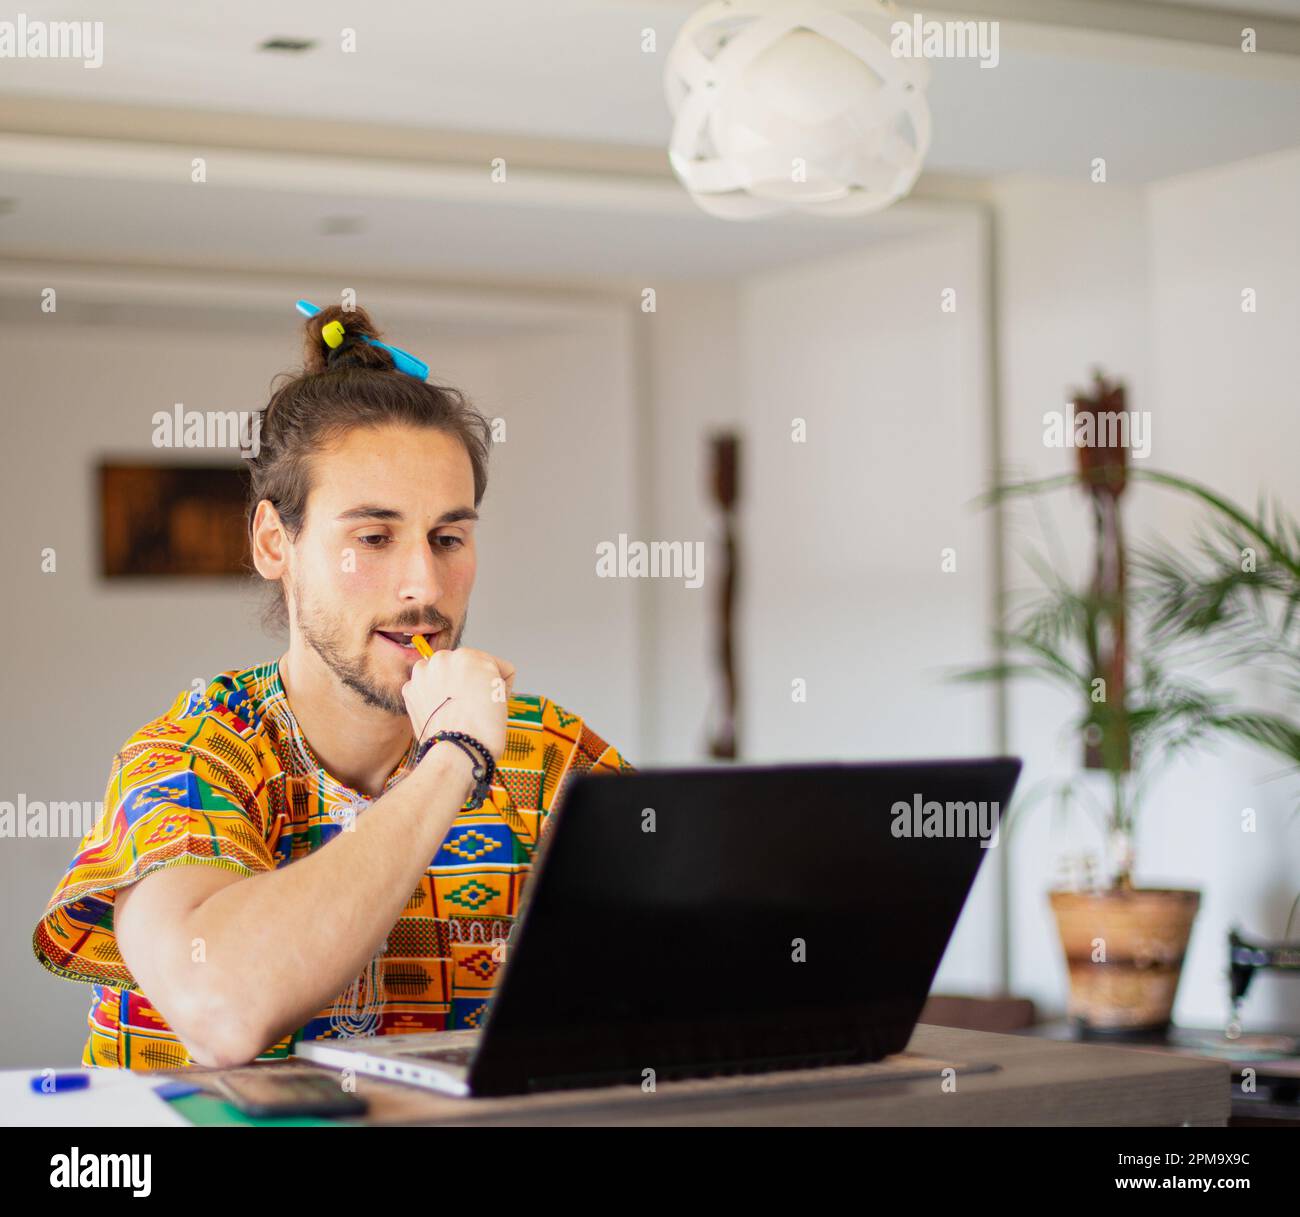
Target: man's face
column 386, row 549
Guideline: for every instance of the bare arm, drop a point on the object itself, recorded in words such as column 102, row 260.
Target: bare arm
column 273, row 949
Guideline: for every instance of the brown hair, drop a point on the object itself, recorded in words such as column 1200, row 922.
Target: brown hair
column 351, row 385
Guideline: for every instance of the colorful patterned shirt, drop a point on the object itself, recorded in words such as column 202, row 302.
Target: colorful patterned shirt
column 226, row 778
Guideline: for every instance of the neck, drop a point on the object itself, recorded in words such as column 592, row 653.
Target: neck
column 359, row 744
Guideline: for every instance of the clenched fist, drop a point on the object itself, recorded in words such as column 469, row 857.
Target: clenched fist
column 461, row 690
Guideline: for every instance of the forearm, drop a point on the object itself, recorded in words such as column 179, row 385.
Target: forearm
column 278, row 947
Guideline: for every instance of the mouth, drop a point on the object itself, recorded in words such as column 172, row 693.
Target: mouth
column 402, row 638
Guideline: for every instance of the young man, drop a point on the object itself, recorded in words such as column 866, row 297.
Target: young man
column 278, row 859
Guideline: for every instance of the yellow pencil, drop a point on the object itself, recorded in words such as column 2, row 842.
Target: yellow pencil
column 421, row 644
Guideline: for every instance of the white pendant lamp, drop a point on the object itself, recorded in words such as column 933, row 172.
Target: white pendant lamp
column 795, row 105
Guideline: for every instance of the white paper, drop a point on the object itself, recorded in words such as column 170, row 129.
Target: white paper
column 114, row 1098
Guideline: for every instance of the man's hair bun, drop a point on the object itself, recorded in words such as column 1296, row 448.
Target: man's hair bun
column 352, row 352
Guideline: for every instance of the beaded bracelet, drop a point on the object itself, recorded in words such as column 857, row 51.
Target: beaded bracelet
column 484, row 766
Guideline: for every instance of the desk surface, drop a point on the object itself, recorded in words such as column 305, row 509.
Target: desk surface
column 999, row 1080
column 1273, row 1055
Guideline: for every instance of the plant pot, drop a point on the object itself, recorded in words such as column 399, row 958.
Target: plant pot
column 1124, row 950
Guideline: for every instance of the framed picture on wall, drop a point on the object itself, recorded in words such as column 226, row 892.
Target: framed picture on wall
column 171, row 520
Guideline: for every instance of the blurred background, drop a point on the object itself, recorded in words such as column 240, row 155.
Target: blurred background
column 491, row 179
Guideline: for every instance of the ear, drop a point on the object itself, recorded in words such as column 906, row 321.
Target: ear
column 270, row 542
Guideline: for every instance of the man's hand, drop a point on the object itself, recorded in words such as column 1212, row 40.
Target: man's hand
column 461, row 690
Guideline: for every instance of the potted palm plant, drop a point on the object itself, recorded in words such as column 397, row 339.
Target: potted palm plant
column 1233, row 597
column 1124, row 944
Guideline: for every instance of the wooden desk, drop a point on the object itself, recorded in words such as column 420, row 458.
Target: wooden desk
column 1264, row 1107
column 1000, row 1080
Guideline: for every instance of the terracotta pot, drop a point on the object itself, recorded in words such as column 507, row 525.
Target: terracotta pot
column 1125, row 951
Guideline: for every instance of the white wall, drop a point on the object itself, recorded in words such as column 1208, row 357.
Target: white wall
column 87, row 661
column 1224, row 395
column 693, row 383
column 844, row 533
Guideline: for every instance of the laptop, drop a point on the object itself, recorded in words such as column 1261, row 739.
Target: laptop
column 698, row 922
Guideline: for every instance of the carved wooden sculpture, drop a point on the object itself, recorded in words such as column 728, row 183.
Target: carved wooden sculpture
column 1103, row 468
column 723, row 742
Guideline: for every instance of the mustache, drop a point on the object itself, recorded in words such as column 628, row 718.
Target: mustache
column 418, row 623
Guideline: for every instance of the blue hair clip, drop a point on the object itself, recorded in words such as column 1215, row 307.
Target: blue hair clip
column 402, row 360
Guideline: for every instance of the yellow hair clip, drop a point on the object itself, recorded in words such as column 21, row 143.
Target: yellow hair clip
column 403, row 361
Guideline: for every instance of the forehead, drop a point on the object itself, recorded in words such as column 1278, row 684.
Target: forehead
column 417, row 470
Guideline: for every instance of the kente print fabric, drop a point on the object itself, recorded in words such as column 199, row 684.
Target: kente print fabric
column 226, row 778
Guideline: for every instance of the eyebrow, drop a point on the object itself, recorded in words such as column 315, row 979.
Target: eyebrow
column 371, row 511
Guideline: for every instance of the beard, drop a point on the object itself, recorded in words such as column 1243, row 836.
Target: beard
column 328, row 638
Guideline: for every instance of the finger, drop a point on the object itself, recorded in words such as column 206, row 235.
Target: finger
column 506, row 674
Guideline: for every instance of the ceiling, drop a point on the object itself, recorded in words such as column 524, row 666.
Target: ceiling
column 543, row 82
column 1280, row 8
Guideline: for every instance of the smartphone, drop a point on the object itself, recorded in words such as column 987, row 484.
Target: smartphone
column 270, row 1093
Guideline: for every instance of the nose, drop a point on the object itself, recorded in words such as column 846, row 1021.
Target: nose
column 419, row 575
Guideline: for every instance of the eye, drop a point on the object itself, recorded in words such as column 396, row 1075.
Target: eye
column 456, row 542
column 374, row 540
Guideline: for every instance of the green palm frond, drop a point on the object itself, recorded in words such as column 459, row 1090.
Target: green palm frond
column 1228, row 597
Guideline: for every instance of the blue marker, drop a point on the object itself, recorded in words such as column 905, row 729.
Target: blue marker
column 59, row 1083
column 402, row 360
